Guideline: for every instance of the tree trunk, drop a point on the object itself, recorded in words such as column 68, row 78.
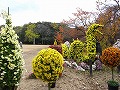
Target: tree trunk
column 34, row 41
column 112, row 74
column 118, row 67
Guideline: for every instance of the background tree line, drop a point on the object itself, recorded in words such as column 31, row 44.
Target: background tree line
column 36, row 33
column 47, row 32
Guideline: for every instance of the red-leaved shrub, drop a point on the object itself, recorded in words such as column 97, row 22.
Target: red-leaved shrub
column 56, row 47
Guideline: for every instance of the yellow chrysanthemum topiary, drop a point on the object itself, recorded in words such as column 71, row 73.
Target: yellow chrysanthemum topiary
column 76, row 50
column 55, row 42
column 48, row 64
column 91, row 40
column 65, row 51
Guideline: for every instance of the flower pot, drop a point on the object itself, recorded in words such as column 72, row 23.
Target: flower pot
column 8, row 88
column 110, row 87
column 52, row 84
column 113, row 85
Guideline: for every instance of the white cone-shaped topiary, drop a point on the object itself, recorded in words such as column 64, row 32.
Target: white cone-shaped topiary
column 11, row 59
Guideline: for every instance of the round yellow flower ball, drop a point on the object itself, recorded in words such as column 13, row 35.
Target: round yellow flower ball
column 48, row 64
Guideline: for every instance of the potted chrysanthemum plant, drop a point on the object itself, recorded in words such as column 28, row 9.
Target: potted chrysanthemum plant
column 11, row 59
column 47, row 65
column 111, row 58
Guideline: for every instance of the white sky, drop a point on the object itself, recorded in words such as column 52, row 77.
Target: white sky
column 25, row 11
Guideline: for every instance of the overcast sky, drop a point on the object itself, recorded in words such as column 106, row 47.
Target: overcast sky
column 25, row 11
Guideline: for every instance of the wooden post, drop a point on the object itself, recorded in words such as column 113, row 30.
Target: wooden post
column 90, row 62
column 49, row 86
column 8, row 10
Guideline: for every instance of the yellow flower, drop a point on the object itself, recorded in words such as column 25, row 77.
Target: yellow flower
column 48, row 64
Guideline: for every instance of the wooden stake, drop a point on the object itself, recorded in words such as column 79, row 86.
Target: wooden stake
column 8, row 10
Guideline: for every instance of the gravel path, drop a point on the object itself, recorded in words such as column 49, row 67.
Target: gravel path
column 70, row 80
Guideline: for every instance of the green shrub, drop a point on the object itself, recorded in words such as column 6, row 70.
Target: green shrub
column 113, row 83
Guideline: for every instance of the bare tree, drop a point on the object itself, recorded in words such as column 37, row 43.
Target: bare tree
column 82, row 19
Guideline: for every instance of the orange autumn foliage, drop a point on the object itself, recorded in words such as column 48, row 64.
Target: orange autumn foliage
column 111, row 57
column 59, row 35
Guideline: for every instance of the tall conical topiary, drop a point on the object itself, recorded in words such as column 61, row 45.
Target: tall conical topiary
column 11, row 59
